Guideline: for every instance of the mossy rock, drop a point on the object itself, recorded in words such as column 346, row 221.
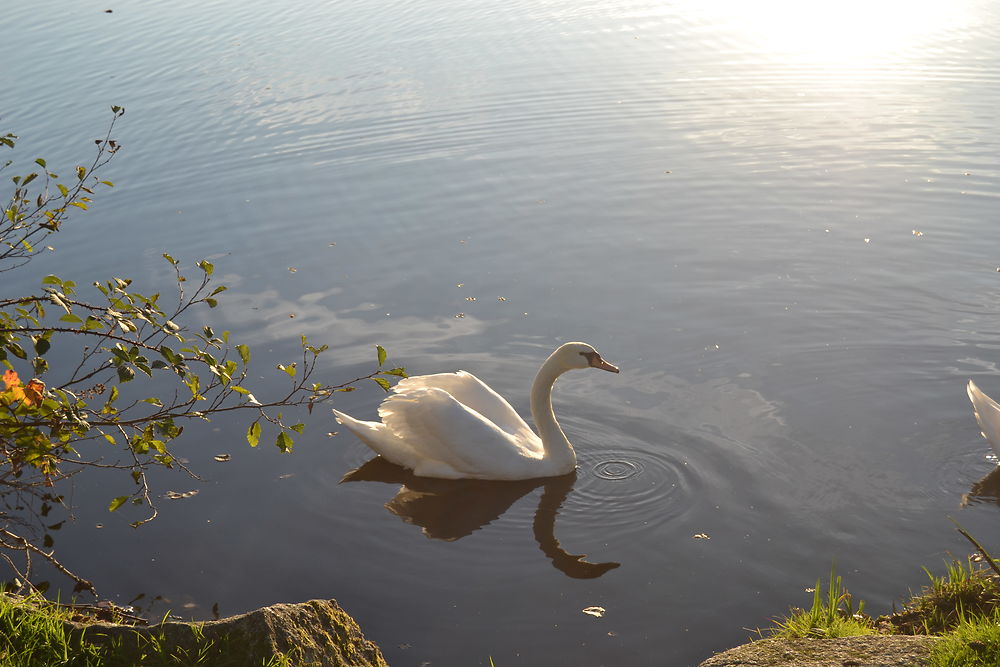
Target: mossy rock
column 317, row 633
column 864, row 651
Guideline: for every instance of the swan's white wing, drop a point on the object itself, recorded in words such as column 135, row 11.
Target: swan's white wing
column 472, row 392
column 987, row 414
column 454, row 440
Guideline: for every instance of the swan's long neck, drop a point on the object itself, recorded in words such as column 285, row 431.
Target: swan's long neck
column 557, row 447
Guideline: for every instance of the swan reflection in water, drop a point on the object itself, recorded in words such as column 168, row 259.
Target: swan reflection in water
column 451, row 509
column 986, row 490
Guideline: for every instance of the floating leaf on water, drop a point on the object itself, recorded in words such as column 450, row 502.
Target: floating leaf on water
column 917, row 233
column 174, row 495
column 501, row 298
column 222, row 458
column 460, row 315
column 596, row 612
column 286, row 475
column 292, row 269
column 460, row 285
column 470, row 298
column 810, row 590
column 701, row 536
column 868, row 240
column 291, row 316
column 330, row 434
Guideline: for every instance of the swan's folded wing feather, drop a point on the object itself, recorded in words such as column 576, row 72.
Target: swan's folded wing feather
column 442, row 429
column 987, row 414
column 380, row 439
column 472, row 392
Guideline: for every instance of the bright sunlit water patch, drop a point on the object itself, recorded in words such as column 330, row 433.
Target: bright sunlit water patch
column 853, row 34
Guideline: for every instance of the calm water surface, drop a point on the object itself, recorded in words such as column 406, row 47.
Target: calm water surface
column 781, row 223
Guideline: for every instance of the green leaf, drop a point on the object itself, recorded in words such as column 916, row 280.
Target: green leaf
column 153, row 401
column 398, row 372
column 40, row 365
column 42, row 346
column 110, row 438
column 40, row 162
column 212, row 303
column 206, row 266
column 284, row 442
column 382, row 382
column 298, row 428
column 117, row 502
column 244, row 354
column 125, row 374
column 381, row 354
column 71, row 318
column 253, row 434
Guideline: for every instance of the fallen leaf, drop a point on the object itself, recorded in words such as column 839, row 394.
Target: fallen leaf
column 222, row 458
column 597, row 612
column 701, row 536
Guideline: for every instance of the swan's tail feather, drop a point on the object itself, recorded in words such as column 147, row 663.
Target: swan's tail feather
column 987, row 414
column 378, row 438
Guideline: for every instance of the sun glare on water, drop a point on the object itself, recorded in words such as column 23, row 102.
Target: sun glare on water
column 837, row 33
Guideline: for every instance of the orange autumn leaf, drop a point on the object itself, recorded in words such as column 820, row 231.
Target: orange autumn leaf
column 14, row 391
column 10, row 379
column 33, row 391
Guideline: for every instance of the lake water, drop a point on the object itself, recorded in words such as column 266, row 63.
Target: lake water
column 779, row 219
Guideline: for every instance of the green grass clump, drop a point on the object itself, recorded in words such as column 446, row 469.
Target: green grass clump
column 33, row 633
column 974, row 642
column 832, row 615
column 966, row 591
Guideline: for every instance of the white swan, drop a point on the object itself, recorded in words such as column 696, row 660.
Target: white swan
column 452, row 425
column 987, row 414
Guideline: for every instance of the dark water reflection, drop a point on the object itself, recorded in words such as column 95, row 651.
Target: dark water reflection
column 452, row 509
column 985, row 490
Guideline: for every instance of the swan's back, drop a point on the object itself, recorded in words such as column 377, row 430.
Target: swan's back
column 471, row 392
column 987, row 414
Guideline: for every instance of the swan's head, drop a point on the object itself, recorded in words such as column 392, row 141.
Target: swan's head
column 581, row 355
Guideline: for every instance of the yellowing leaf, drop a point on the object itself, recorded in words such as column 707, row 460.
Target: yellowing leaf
column 117, row 502
column 33, row 392
column 253, row 434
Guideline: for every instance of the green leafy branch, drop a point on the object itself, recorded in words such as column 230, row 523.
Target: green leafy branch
column 95, row 412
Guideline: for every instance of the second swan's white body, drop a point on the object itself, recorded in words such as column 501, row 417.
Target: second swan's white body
column 987, row 414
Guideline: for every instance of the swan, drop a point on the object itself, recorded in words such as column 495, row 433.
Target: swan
column 987, row 414
column 454, row 426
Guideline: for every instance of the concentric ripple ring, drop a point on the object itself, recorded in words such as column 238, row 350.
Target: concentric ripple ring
column 617, row 469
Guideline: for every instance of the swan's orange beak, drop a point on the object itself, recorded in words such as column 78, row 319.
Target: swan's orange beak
column 596, row 361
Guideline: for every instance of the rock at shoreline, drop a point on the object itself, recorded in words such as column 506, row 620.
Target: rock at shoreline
column 317, row 633
column 864, row 651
